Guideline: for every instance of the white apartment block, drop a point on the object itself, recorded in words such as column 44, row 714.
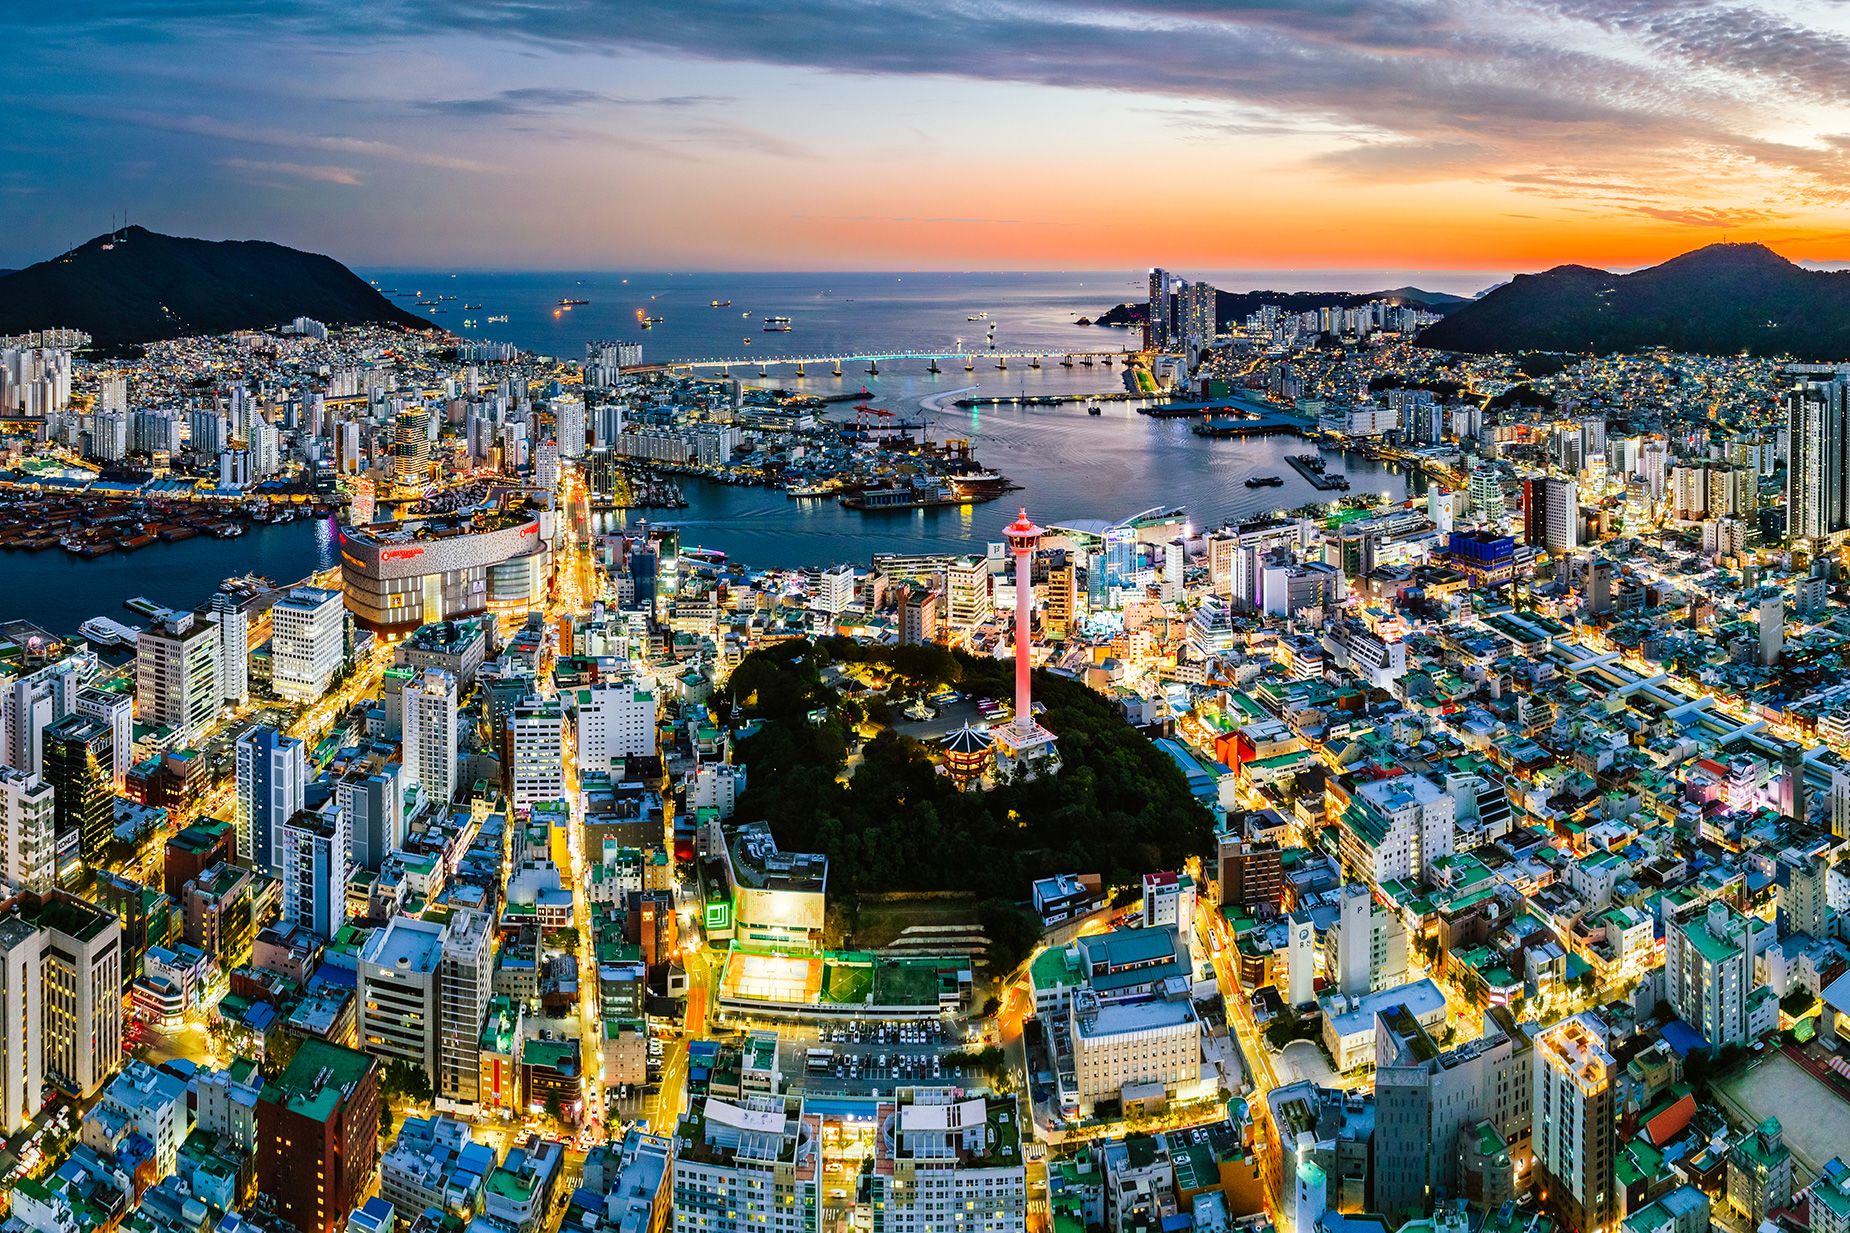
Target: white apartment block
column 430, row 735
column 30, row 857
column 537, row 732
column 177, row 677
column 307, row 640
column 614, row 720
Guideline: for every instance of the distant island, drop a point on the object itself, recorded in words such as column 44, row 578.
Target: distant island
column 1233, row 306
column 136, row 286
column 1724, row 299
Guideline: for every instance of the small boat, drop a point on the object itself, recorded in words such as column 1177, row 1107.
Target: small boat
column 777, row 325
column 498, row 320
column 722, row 303
column 472, row 307
column 1094, row 409
column 1266, row 481
column 570, row 303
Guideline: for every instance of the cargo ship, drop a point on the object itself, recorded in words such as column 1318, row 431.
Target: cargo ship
column 777, row 325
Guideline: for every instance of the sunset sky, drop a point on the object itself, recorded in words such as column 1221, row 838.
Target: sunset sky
column 1483, row 135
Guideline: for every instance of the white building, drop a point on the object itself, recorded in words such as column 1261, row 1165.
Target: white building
column 177, row 677
column 536, row 730
column 1574, row 1120
column 614, row 720
column 750, row 1166
column 234, row 648
column 465, row 982
column 1397, row 828
column 399, row 1012
column 430, row 735
column 307, row 639
column 944, row 1162
column 118, row 711
column 30, row 856
column 154, row 1103
column 22, row 1046
column 1133, row 1050
column 834, row 590
column 33, row 703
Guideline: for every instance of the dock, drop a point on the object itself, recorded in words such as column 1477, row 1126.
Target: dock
column 1311, row 468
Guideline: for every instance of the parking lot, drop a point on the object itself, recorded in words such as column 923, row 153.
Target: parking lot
column 860, row 1059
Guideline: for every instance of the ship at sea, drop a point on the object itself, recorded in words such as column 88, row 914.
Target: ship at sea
column 777, row 325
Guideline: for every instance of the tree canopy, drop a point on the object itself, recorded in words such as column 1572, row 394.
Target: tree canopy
column 1118, row 806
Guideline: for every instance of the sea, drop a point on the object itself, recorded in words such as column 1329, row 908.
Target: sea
column 1069, row 466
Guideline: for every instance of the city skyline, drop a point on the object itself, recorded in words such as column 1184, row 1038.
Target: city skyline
column 1491, row 137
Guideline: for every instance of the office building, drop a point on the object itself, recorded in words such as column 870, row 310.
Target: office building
column 318, row 1135
column 1574, row 1133
column 28, row 817
column 369, row 791
column 967, row 595
column 307, row 640
column 398, row 976
column 430, row 736
column 272, row 780
column 1133, row 1051
column 314, row 855
column 1431, row 1102
column 177, row 677
column 78, row 753
column 614, row 720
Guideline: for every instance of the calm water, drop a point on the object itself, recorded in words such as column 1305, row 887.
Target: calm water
column 59, row 592
column 1069, row 465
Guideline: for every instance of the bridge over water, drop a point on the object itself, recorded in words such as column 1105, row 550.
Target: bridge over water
column 936, row 361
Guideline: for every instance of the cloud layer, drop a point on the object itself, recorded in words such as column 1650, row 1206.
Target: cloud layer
column 1665, row 114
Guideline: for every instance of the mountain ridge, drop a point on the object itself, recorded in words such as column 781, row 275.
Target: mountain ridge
column 1720, row 299
column 135, row 286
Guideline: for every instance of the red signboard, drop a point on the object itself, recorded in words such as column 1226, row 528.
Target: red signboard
column 400, row 554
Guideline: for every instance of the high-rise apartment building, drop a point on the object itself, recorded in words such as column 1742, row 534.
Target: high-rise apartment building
column 81, row 1002
column 945, row 1161
column 272, row 781
column 32, row 703
column 1159, row 320
column 747, row 1166
column 430, row 735
column 1818, row 459
column 234, row 647
column 177, row 677
column 1573, row 1115
column 834, row 590
column 1709, row 953
column 1551, row 514
column 536, row 734
column 314, row 859
column 28, row 823
column 307, row 639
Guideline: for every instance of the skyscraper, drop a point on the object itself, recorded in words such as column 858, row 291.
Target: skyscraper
column 411, row 449
column 1572, row 1113
column 465, row 980
column 1818, row 467
column 1159, row 324
column 272, row 780
column 1551, row 514
column 430, row 735
column 118, row 711
column 234, row 648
